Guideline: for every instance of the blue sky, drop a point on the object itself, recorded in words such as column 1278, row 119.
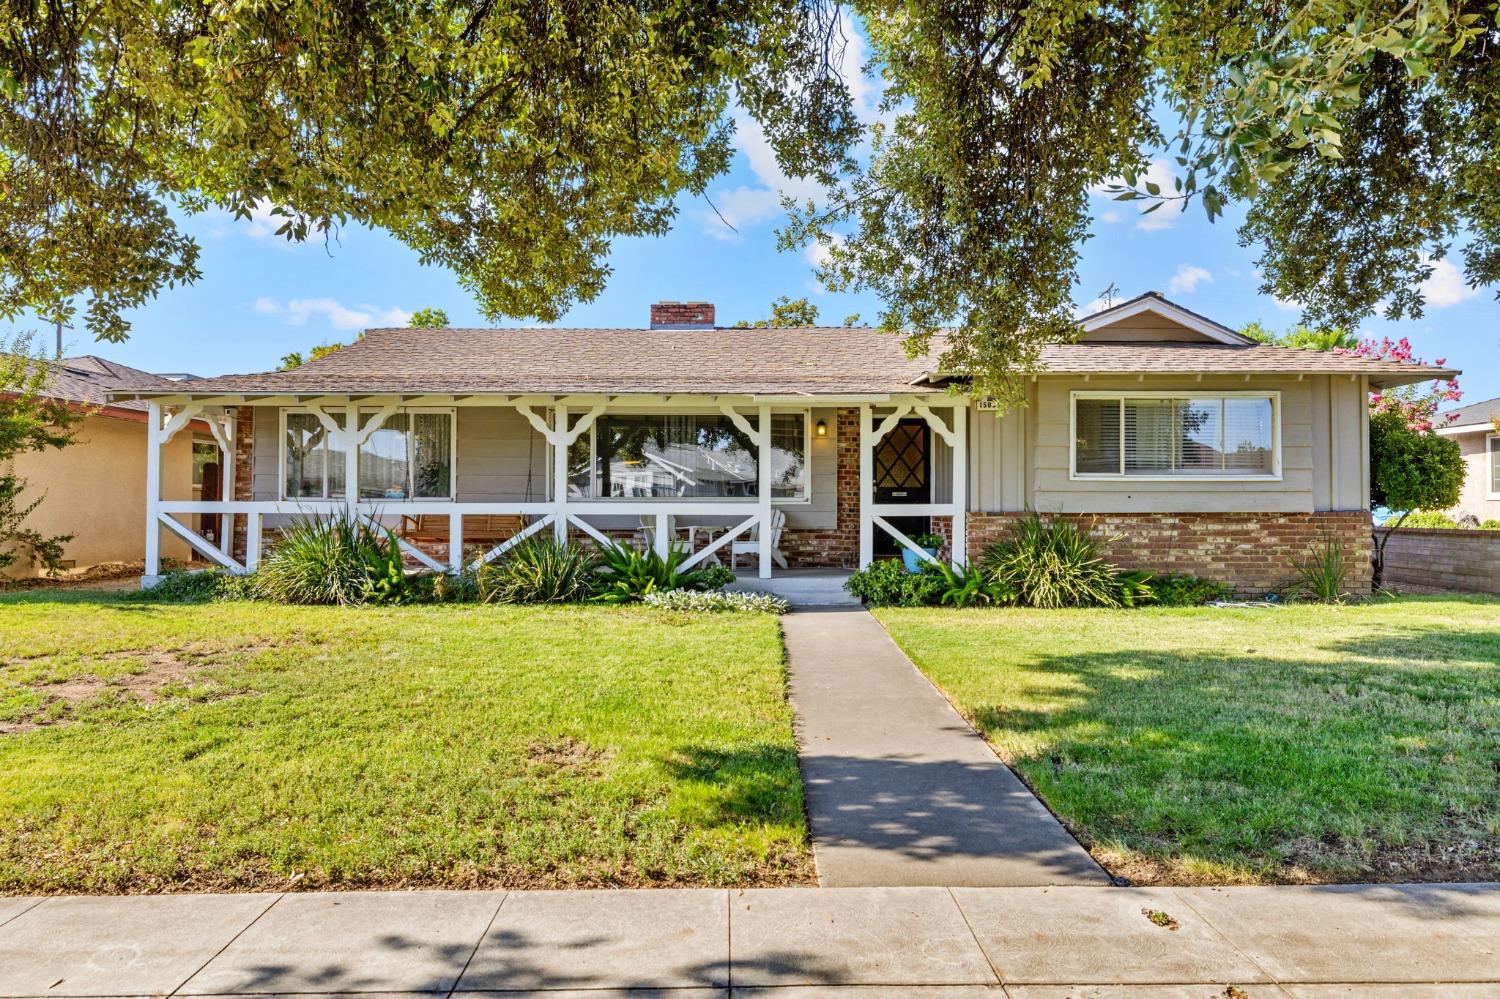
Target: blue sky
column 260, row 297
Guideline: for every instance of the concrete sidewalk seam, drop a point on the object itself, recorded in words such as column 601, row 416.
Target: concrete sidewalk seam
column 17, row 915
column 977, row 942
column 478, row 943
column 1222, row 935
column 199, row 970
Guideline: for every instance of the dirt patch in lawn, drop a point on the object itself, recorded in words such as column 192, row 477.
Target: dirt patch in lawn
column 156, row 675
column 568, row 757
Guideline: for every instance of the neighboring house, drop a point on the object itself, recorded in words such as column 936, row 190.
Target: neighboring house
column 95, row 488
column 1201, row 450
column 1473, row 426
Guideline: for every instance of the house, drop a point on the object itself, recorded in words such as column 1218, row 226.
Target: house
column 95, row 489
column 1478, row 436
column 1201, row 450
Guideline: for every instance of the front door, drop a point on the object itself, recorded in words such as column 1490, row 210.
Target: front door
column 903, row 474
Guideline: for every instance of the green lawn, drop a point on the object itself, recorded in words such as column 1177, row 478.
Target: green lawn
column 235, row 746
column 1304, row 743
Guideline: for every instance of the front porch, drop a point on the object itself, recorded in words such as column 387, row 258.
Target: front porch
column 832, row 482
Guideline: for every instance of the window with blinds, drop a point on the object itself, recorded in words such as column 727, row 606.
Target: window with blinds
column 1160, row 435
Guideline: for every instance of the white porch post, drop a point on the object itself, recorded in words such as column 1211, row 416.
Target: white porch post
column 560, row 473
column 763, row 466
column 153, row 489
column 352, row 440
column 960, row 484
column 455, row 542
column 866, row 487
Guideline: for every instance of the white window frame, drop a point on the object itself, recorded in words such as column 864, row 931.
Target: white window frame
column 362, row 413
column 1491, row 453
column 281, row 455
column 411, row 497
column 1074, row 475
column 806, row 481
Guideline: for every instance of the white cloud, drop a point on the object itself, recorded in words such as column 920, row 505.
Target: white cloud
column 1187, row 278
column 746, row 206
column 1097, row 305
column 1110, row 217
column 1287, row 304
column 1445, row 286
column 298, row 311
column 1160, row 173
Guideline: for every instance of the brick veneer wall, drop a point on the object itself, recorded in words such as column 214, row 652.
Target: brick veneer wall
column 244, row 486
column 1440, row 560
column 836, row 547
column 1249, row 551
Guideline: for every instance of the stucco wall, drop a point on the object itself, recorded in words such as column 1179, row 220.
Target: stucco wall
column 1020, row 459
column 95, row 490
column 1476, row 498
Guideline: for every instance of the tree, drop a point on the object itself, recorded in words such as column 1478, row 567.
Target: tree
column 428, row 319
column 295, row 359
column 513, row 143
column 785, row 312
column 1418, row 406
column 1410, row 469
column 30, row 420
column 1304, row 337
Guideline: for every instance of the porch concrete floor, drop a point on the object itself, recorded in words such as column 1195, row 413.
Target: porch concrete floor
column 799, row 587
column 900, row 790
column 1425, row 941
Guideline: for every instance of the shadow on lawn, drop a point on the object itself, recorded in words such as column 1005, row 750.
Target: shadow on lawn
column 1385, row 766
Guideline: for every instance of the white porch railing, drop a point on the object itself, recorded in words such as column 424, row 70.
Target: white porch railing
column 542, row 515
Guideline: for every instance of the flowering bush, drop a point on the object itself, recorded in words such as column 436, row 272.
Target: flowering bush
column 1418, row 405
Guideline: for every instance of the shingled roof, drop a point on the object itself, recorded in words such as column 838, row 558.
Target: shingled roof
column 88, row 380
column 1475, row 414
column 810, row 361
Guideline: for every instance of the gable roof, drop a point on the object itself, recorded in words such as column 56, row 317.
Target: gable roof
column 1474, row 416
column 803, row 361
column 1156, row 303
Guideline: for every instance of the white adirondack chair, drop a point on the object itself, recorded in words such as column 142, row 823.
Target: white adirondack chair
column 752, row 546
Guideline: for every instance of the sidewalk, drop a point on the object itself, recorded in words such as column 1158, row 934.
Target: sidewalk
column 1036, row 943
column 900, row 789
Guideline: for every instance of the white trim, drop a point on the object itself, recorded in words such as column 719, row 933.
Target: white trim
column 1076, row 476
column 1491, row 454
column 1167, row 310
column 1465, row 428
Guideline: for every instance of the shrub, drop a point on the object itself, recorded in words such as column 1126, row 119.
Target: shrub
column 182, row 586
column 455, row 588
column 1429, row 518
column 698, row 600
column 330, row 560
column 933, row 542
column 1052, row 565
column 1179, row 590
column 968, row 586
column 1135, row 588
column 886, row 583
column 627, row 574
column 1322, row 571
column 539, row 570
column 1489, row 525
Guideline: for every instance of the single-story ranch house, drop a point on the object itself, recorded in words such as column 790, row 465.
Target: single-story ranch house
column 1473, row 427
column 1203, row 451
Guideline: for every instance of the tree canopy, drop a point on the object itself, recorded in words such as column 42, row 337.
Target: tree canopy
column 513, row 142
column 31, row 419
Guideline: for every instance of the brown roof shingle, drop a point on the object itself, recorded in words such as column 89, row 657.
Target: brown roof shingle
column 801, row 361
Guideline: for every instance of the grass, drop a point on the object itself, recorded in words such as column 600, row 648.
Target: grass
column 1219, row 746
column 244, row 746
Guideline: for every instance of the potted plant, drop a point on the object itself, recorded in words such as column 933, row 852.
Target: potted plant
column 929, row 543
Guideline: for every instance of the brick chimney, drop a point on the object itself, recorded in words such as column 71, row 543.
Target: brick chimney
column 682, row 316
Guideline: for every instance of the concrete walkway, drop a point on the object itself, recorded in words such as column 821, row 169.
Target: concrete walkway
column 900, row 790
column 1026, row 943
